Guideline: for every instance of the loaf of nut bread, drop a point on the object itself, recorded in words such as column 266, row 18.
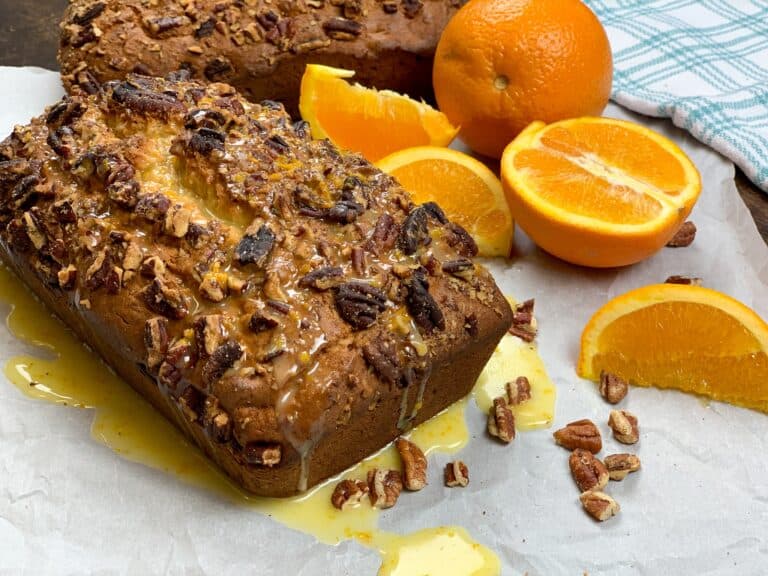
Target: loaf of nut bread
column 281, row 301
column 259, row 46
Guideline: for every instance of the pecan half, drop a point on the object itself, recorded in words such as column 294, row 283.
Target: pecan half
column 624, row 426
column 587, row 471
column 580, row 434
column 323, row 278
column 359, row 303
column 456, row 474
column 255, row 248
column 422, row 307
column 348, row 494
column 599, row 505
column 461, row 268
column 385, row 234
column 146, row 102
column 684, row 236
column 262, row 321
column 501, row 421
column 384, row 487
column 612, row 387
column 688, row 280
column 524, row 324
column 414, row 464
column 460, row 240
column 381, row 355
column 414, row 232
column 518, row 391
column 620, row 465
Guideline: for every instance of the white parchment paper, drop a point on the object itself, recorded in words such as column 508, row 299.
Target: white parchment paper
column 68, row 505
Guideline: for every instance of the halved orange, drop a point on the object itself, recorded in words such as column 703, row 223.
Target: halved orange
column 372, row 122
column 685, row 337
column 598, row 191
column 468, row 192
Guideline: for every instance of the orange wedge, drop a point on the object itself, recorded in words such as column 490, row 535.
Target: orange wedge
column 684, row 337
column 597, row 191
column 372, row 122
column 468, row 192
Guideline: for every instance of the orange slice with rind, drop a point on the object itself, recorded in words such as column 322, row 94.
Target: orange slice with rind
column 465, row 188
column 683, row 337
column 372, row 122
column 598, row 192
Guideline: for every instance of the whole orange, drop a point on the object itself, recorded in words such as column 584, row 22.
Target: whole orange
column 501, row 64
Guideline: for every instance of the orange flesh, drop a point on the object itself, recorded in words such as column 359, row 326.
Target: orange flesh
column 692, row 347
column 612, row 145
column 559, row 181
column 428, row 180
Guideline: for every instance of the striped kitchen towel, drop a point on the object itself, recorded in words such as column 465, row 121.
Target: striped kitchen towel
column 702, row 63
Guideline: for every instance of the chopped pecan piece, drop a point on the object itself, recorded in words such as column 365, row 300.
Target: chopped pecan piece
column 460, row 240
column 384, row 487
column 422, row 307
column 164, row 299
column 587, row 471
column 152, row 267
column 67, row 277
column 599, row 505
column 263, row 454
column 217, row 68
column 580, row 434
column 359, row 303
column 222, row 359
column 518, row 391
column 612, row 387
column 255, row 248
column 414, row 464
column 342, row 28
column 323, row 278
column 156, row 341
column 523, row 321
column 462, row 268
column 158, row 26
column 33, row 229
column 177, row 221
column 412, row 8
column 689, row 280
column 191, row 403
column 217, row 422
column 209, row 332
column 348, row 494
column 91, row 12
column 456, row 474
column 684, row 235
column 501, row 421
column 385, row 234
column 624, row 426
column 620, row 465
column 262, row 321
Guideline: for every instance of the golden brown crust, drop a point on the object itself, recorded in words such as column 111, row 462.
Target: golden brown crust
column 261, row 47
column 281, row 301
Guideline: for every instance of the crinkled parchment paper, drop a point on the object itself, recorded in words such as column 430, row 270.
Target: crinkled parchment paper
column 68, row 505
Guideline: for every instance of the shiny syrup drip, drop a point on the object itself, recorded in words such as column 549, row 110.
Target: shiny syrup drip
column 68, row 373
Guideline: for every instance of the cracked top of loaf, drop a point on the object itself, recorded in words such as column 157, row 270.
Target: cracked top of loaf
column 272, row 284
column 259, row 46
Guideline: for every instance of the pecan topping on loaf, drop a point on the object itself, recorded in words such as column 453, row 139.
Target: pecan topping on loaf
column 271, row 289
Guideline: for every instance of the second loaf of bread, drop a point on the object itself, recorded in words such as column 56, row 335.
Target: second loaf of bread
column 260, row 47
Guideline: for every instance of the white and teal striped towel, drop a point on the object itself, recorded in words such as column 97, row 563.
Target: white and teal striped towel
column 702, row 63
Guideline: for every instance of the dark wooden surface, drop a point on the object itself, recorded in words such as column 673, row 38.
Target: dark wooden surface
column 29, row 32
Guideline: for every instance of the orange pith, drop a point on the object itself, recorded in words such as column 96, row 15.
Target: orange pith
column 501, row 64
column 374, row 123
column 468, row 192
column 683, row 337
column 598, row 191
